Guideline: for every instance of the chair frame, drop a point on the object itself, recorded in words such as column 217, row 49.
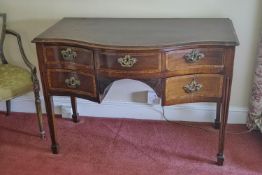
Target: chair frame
column 30, row 66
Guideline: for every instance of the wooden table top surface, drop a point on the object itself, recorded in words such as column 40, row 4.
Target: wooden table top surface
column 142, row 32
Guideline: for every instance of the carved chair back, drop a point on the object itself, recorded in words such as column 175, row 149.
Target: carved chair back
column 12, row 80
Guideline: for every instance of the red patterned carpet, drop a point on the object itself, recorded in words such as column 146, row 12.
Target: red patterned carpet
column 97, row 146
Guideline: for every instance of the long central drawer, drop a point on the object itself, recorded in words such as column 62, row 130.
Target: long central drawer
column 129, row 62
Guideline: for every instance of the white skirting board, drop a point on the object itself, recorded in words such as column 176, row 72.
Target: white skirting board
column 196, row 112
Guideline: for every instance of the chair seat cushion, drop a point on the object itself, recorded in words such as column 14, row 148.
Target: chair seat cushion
column 14, row 81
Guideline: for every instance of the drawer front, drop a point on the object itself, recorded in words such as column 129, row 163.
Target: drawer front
column 197, row 60
column 193, row 88
column 73, row 82
column 69, row 56
column 142, row 62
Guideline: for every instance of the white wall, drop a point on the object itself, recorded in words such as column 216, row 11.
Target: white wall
column 33, row 16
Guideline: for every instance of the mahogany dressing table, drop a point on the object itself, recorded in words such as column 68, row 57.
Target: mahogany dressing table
column 183, row 60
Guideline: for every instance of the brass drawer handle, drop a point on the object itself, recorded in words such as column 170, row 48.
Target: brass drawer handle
column 192, row 87
column 72, row 82
column 68, row 54
column 127, row 61
column 193, row 56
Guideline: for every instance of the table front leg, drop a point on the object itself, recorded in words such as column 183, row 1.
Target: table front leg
column 50, row 116
column 224, row 117
column 74, row 109
column 217, row 120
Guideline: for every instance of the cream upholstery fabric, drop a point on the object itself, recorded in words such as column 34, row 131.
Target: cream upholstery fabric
column 14, row 81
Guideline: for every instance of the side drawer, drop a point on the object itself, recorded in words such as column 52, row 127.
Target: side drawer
column 193, row 88
column 68, row 57
column 142, row 62
column 70, row 81
column 195, row 60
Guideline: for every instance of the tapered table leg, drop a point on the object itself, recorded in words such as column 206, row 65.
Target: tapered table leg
column 217, row 120
column 74, row 109
column 224, row 117
column 50, row 117
column 8, row 107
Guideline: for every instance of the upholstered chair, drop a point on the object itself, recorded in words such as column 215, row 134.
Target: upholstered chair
column 16, row 81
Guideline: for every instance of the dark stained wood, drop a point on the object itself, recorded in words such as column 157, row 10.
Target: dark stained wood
column 141, row 32
column 212, row 62
column 74, row 109
column 50, row 118
column 8, row 107
column 222, row 130
column 211, row 88
column 218, row 113
column 106, row 82
column 159, row 48
column 108, row 61
column 83, row 60
column 228, row 75
column 57, row 77
column 48, row 99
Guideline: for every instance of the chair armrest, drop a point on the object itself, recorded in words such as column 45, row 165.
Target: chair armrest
column 18, row 37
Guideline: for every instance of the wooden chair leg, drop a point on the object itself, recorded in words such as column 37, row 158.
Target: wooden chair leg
column 38, row 107
column 74, row 109
column 8, row 107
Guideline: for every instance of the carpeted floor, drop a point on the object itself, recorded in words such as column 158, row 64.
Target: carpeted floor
column 98, row 146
